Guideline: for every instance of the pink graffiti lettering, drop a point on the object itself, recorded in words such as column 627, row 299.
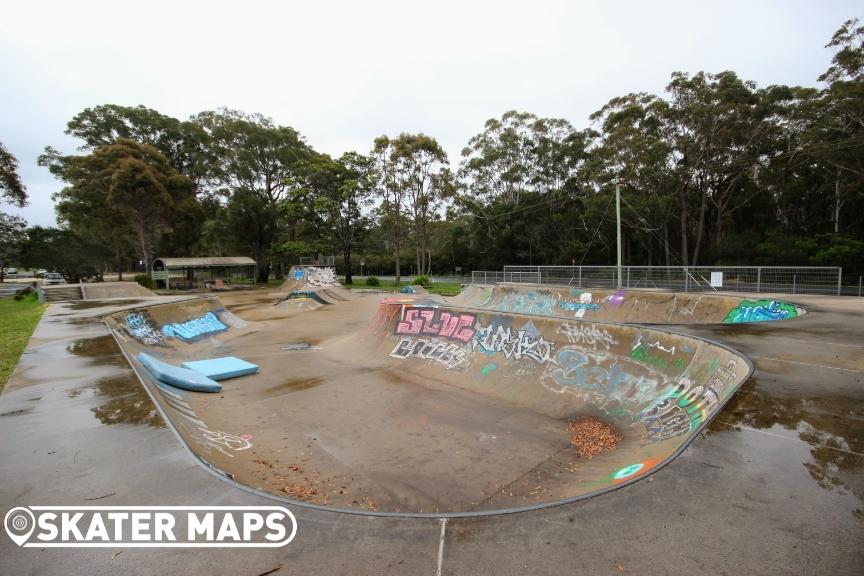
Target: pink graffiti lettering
column 434, row 322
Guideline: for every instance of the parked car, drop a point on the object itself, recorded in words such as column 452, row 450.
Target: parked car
column 41, row 273
column 11, row 271
column 53, row 278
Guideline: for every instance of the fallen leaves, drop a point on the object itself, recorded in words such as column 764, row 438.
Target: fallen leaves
column 590, row 436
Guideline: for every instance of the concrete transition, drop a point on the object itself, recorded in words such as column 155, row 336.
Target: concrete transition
column 423, row 405
column 630, row 306
column 317, row 282
column 106, row 290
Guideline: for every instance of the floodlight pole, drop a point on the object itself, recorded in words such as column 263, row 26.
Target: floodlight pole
column 618, row 225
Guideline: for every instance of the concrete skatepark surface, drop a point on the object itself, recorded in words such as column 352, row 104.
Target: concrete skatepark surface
column 471, row 408
column 776, row 477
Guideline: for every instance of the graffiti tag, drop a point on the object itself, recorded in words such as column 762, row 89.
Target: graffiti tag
column 139, row 326
column 195, row 328
column 447, row 353
column 522, row 345
column 580, row 307
column 431, row 321
column 321, row 276
column 760, row 311
column 589, row 335
column 685, row 407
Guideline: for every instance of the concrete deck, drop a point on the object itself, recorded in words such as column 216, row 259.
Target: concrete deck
column 773, row 486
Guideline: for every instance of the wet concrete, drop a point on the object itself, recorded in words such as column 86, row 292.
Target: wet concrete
column 772, row 487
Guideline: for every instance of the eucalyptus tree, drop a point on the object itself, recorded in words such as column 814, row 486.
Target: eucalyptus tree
column 121, row 193
column 341, row 190
column 634, row 152
column 255, row 165
column 12, row 189
column 716, row 126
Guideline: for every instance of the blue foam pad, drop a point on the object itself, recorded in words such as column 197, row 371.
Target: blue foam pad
column 176, row 376
column 222, row 368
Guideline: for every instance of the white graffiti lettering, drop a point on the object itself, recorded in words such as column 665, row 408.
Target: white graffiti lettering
column 139, row 327
column 658, row 345
column 321, row 276
column 501, row 340
column 447, row 353
column 589, row 335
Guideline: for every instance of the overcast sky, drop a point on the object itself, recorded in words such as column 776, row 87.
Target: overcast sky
column 343, row 73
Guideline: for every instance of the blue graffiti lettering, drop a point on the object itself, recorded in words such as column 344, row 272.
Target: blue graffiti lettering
column 195, row 328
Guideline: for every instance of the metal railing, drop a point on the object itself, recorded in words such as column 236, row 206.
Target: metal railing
column 757, row 279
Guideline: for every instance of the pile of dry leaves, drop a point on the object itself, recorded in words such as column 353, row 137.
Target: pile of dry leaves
column 590, row 436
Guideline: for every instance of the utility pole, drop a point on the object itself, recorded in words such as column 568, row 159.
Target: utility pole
column 618, row 226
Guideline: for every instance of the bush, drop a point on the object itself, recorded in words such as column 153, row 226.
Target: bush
column 372, row 281
column 145, row 280
column 422, row 281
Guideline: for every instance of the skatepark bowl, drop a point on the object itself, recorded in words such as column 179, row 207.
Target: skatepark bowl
column 415, row 404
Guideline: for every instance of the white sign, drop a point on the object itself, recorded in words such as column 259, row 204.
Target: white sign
column 150, row 527
column 717, row 279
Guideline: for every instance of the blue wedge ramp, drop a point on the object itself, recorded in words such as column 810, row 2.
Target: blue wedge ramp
column 176, row 376
column 222, row 368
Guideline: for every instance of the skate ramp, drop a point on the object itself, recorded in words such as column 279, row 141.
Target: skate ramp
column 413, row 406
column 105, row 290
column 627, row 306
column 321, row 280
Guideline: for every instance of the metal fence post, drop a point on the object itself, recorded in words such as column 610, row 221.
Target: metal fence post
column 539, row 276
column 628, row 276
column 839, row 281
column 758, row 279
column 686, row 280
column 794, row 277
column 859, row 285
column 580, row 278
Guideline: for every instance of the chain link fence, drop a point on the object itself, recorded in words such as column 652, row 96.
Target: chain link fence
column 755, row 279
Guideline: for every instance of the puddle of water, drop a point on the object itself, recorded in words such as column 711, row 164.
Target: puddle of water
column 127, row 403
column 829, row 424
column 102, row 350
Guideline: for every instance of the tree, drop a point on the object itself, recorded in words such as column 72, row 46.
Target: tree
column 75, row 257
column 341, row 189
column 11, row 235
column 120, row 193
column 184, row 144
column 391, row 186
column 635, row 153
column 422, row 165
column 715, row 126
column 255, row 165
column 12, row 190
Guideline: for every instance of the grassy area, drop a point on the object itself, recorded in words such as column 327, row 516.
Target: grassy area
column 442, row 288
column 18, row 319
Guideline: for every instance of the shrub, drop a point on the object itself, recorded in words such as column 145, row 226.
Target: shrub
column 145, row 280
column 422, row 281
column 372, row 281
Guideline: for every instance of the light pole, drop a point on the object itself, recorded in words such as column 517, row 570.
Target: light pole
column 618, row 226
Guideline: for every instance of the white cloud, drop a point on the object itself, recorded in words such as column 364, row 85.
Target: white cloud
column 345, row 72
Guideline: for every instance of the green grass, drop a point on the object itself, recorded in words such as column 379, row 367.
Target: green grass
column 442, row 288
column 18, row 319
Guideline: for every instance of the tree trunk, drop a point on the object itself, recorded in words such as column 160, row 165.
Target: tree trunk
column 700, row 229
column 682, row 191
column 396, row 257
column 666, row 242
column 837, row 204
column 346, row 253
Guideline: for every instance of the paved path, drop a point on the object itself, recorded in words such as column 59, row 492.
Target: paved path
column 774, row 486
